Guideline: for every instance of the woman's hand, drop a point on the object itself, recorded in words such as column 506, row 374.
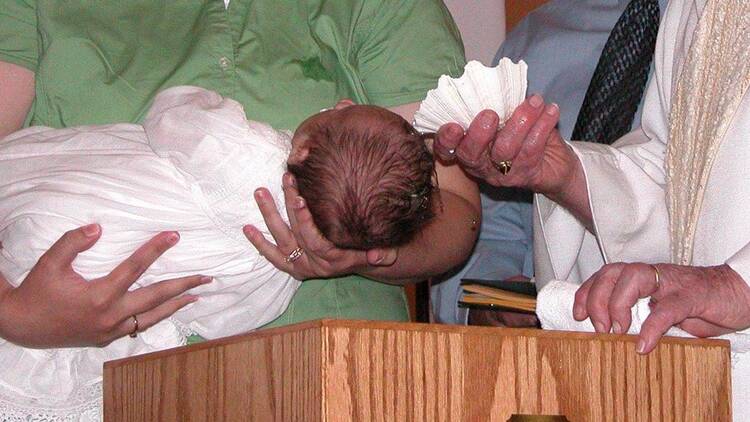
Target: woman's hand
column 704, row 301
column 56, row 307
column 319, row 257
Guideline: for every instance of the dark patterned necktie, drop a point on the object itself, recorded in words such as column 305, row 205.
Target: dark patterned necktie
column 620, row 77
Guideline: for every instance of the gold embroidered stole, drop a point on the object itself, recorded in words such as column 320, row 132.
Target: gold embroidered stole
column 714, row 78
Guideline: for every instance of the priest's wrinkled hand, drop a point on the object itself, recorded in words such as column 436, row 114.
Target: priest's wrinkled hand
column 300, row 248
column 704, row 301
column 57, row 307
column 526, row 152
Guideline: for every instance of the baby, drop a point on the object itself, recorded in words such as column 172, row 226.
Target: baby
column 193, row 166
column 365, row 174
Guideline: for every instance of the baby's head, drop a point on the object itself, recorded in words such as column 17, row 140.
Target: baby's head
column 366, row 175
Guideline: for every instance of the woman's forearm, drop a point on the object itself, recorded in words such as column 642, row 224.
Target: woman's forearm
column 445, row 243
column 16, row 96
column 5, row 287
column 447, row 240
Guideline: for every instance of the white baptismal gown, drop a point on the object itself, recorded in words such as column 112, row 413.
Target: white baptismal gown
column 191, row 167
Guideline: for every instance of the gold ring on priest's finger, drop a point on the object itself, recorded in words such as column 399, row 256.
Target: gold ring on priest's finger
column 656, row 276
column 294, row 255
column 134, row 333
column 502, row 166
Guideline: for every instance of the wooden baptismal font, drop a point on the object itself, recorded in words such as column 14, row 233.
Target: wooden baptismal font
column 337, row 370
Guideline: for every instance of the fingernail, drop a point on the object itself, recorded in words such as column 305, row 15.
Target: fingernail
column 193, row 299
column 379, row 259
column 536, row 100
column 455, row 131
column 616, row 327
column 249, row 230
column 599, row 327
column 258, row 193
column 641, row 346
column 488, row 121
column 578, row 313
column 173, row 237
column 552, row 109
column 299, row 203
column 91, row 230
column 206, row 279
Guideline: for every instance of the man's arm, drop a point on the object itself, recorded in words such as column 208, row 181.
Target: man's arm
column 16, row 96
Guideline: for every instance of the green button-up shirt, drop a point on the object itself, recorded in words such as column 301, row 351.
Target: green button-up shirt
column 103, row 61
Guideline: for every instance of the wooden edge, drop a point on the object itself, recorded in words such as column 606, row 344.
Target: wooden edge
column 238, row 338
column 502, row 331
column 405, row 326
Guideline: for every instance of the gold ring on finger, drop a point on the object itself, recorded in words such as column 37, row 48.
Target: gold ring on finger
column 502, row 166
column 657, row 278
column 294, row 255
column 134, row 333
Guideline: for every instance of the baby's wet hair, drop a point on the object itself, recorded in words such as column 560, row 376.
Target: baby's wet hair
column 367, row 185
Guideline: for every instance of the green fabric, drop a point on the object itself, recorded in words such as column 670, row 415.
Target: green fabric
column 344, row 298
column 348, row 298
column 195, row 339
column 103, row 61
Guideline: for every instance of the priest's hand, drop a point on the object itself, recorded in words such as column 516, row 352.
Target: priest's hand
column 56, row 307
column 300, row 249
column 704, row 301
column 528, row 151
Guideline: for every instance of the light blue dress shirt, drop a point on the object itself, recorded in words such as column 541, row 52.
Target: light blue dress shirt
column 561, row 42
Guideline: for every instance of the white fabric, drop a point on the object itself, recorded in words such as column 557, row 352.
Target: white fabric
column 554, row 308
column 194, row 169
column 627, row 190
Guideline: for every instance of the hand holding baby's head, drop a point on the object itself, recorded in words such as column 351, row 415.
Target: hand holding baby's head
column 365, row 174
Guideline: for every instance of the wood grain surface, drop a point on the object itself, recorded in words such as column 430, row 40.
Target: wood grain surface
column 370, row 371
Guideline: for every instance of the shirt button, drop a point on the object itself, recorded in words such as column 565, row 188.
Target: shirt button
column 224, row 63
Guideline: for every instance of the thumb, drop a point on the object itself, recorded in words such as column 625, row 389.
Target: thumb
column 384, row 257
column 65, row 250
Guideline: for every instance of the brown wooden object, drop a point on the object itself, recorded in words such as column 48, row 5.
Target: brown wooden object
column 371, row 371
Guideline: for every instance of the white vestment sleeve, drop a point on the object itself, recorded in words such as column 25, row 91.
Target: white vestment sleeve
column 740, row 263
column 626, row 186
column 627, row 198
